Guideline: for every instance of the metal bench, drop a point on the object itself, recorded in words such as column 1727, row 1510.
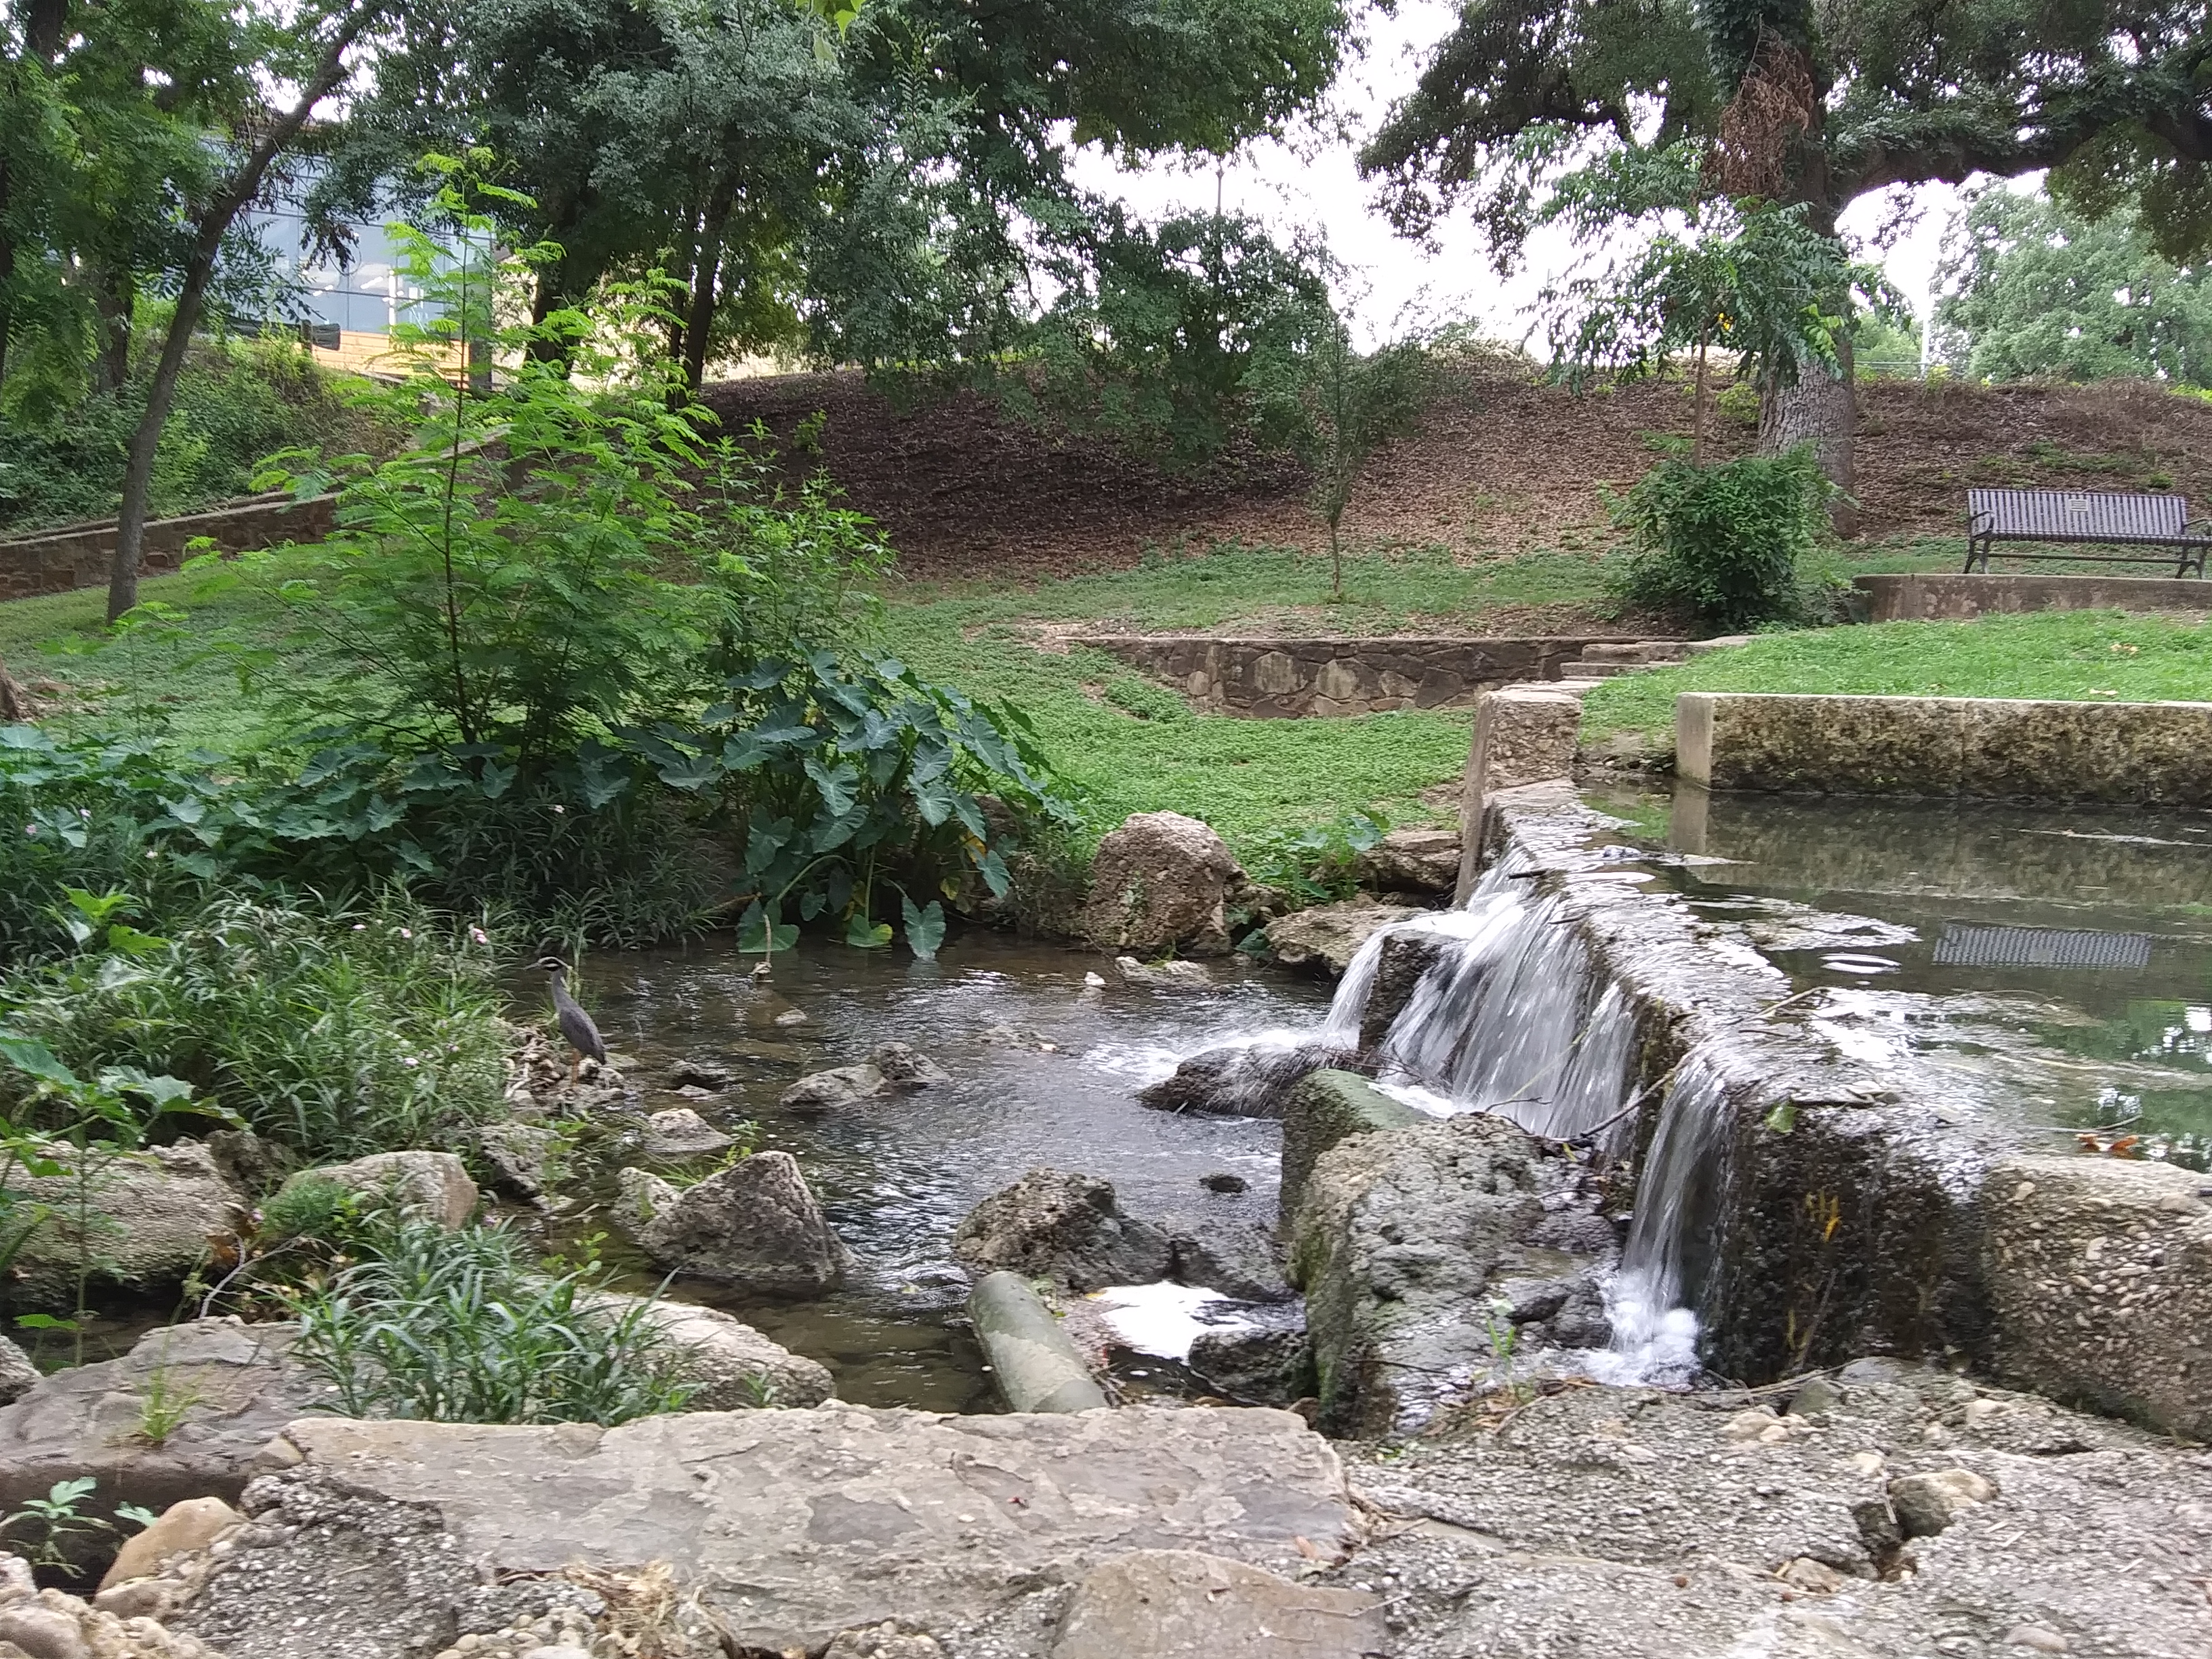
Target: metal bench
column 2103, row 518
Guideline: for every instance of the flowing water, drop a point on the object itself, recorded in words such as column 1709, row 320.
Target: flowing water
column 1044, row 1070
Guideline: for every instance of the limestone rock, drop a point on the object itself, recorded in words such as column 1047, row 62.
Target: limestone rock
column 1238, row 1259
column 156, row 1210
column 735, row 1366
column 249, row 1161
column 1161, row 882
column 18, row 1375
column 679, row 1131
column 1254, row 1367
column 1926, row 1503
column 754, row 1224
column 1411, row 860
column 906, row 1069
column 889, row 1640
column 37, row 1624
column 698, row 1073
column 1183, row 1604
column 640, row 1195
column 1326, row 1106
column 1325, row 939
column 1067, row 1228
column 1403, row 960
column 423, row 1186
column 1189, row 975
column 790, row 1526
column 192, row 1524
column 518, row 1156
column 1404, row 1243
column 2100, row 1271
column 893, row 1068
column 88, row 1420
column 1239, row 1080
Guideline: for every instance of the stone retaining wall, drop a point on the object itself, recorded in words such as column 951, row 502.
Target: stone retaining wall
column 2147, row 754
column 1925, row 598
column 1289, row 679
column 79, row 555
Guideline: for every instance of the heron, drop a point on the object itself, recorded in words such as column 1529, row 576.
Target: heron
column 575, row 1025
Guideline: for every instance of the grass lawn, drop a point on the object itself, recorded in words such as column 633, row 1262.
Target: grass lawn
column 2073, row 655
column 1122, row 743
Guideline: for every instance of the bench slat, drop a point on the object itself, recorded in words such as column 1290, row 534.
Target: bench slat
column 2077, row 515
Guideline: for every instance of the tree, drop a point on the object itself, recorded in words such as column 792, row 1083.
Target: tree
column 2032, row 290
column 246, row 132
column 1748, row 278
column 897, row 199
column 1801, row 104
column 1333, row 406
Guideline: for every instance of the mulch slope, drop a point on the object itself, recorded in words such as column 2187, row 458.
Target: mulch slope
column 1503, row 466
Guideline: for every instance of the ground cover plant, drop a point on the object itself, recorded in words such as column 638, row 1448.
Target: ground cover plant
column 2072, row 655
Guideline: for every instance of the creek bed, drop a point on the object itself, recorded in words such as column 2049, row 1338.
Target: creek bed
column 1044, row 1070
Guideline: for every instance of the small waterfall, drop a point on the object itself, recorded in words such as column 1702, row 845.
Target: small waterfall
column 1510, row 1018
column 1653, row 1296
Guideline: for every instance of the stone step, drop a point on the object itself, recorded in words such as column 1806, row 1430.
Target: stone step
column 1699, row 648
column 1601, row 671
column 1641, row 652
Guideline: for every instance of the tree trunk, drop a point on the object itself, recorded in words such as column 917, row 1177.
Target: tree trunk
column 114, row 299
column 1822, row 411
column 706, row 273
column 210, row 227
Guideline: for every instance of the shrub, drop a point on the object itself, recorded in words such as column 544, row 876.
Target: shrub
column 1722, row 543
column 462, row 1327
column 336, row 1036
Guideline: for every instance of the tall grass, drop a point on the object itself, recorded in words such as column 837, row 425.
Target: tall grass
column 463, row 1328
column 335, row 1034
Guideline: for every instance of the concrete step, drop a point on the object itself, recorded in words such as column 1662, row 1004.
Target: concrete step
column 1641, row 652
column 1601, row 671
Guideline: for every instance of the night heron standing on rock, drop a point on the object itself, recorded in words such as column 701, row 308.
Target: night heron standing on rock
column 575, row 1025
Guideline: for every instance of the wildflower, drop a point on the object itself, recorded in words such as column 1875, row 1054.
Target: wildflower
column 479, row 935
column 407, row 933
column 361, row 928
column 409, row 1059
column 559, row 808
column 30, row 829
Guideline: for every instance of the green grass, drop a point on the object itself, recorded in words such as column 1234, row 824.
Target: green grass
column 1123, row 744
column 2072, row 655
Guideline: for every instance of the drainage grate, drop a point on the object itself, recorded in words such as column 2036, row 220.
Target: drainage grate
column 1964, row 947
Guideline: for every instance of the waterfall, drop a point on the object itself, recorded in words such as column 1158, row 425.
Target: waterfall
column 1652, row 1297
column 1509, row 1018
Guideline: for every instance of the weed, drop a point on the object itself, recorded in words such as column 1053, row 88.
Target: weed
column 164, row 1405
column 462, row 1327
column 43, row 1529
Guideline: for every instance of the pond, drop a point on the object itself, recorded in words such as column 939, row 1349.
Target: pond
column 1045, row 1065
column 2052, row 968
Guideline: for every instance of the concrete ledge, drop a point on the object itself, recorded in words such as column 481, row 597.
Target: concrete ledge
column 2150, row 754
column 1291, row 677
column 1325, row 1108
column 1923, row 598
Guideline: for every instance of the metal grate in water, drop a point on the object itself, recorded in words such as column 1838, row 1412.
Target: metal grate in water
column 1966, row 947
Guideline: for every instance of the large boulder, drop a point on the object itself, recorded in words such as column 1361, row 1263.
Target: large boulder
column 754, row 1224
column 420, row 1185
column 1430, row 1263
column 734, row 1365
column 1240, row 1079
column 213, row 1390
column 1067, row 1228
column 152, row 1215
column 1411, row 860
column 2100, row 1271
column 785, row 1527
column 1161, row 882
column 1324, row 1108
column 1324, row 939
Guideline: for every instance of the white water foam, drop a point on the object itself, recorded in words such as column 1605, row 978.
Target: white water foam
column 1163, row 1320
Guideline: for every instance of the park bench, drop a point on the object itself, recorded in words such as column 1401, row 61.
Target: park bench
column 2100, row 517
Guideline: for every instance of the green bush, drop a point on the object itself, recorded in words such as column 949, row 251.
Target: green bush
column 463, row 1327
column 1720, row 544
column 334, row 1035
column 238, row 401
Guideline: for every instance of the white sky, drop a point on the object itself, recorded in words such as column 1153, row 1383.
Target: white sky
column 1301, row 185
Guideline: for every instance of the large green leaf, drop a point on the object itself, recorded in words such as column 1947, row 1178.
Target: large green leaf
column 925, row 927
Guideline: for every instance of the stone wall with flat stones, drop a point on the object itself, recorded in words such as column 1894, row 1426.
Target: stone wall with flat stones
column 1290, row 678
column 78, row 555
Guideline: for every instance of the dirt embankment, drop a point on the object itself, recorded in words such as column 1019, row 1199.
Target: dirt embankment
column 1503, row 466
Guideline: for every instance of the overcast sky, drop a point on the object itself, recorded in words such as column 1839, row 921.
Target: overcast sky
column 1297, row 186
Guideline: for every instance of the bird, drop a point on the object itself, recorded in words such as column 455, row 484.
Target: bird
column 575, row 1025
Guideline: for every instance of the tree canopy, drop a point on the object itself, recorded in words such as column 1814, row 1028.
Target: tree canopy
column 2030, row 289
